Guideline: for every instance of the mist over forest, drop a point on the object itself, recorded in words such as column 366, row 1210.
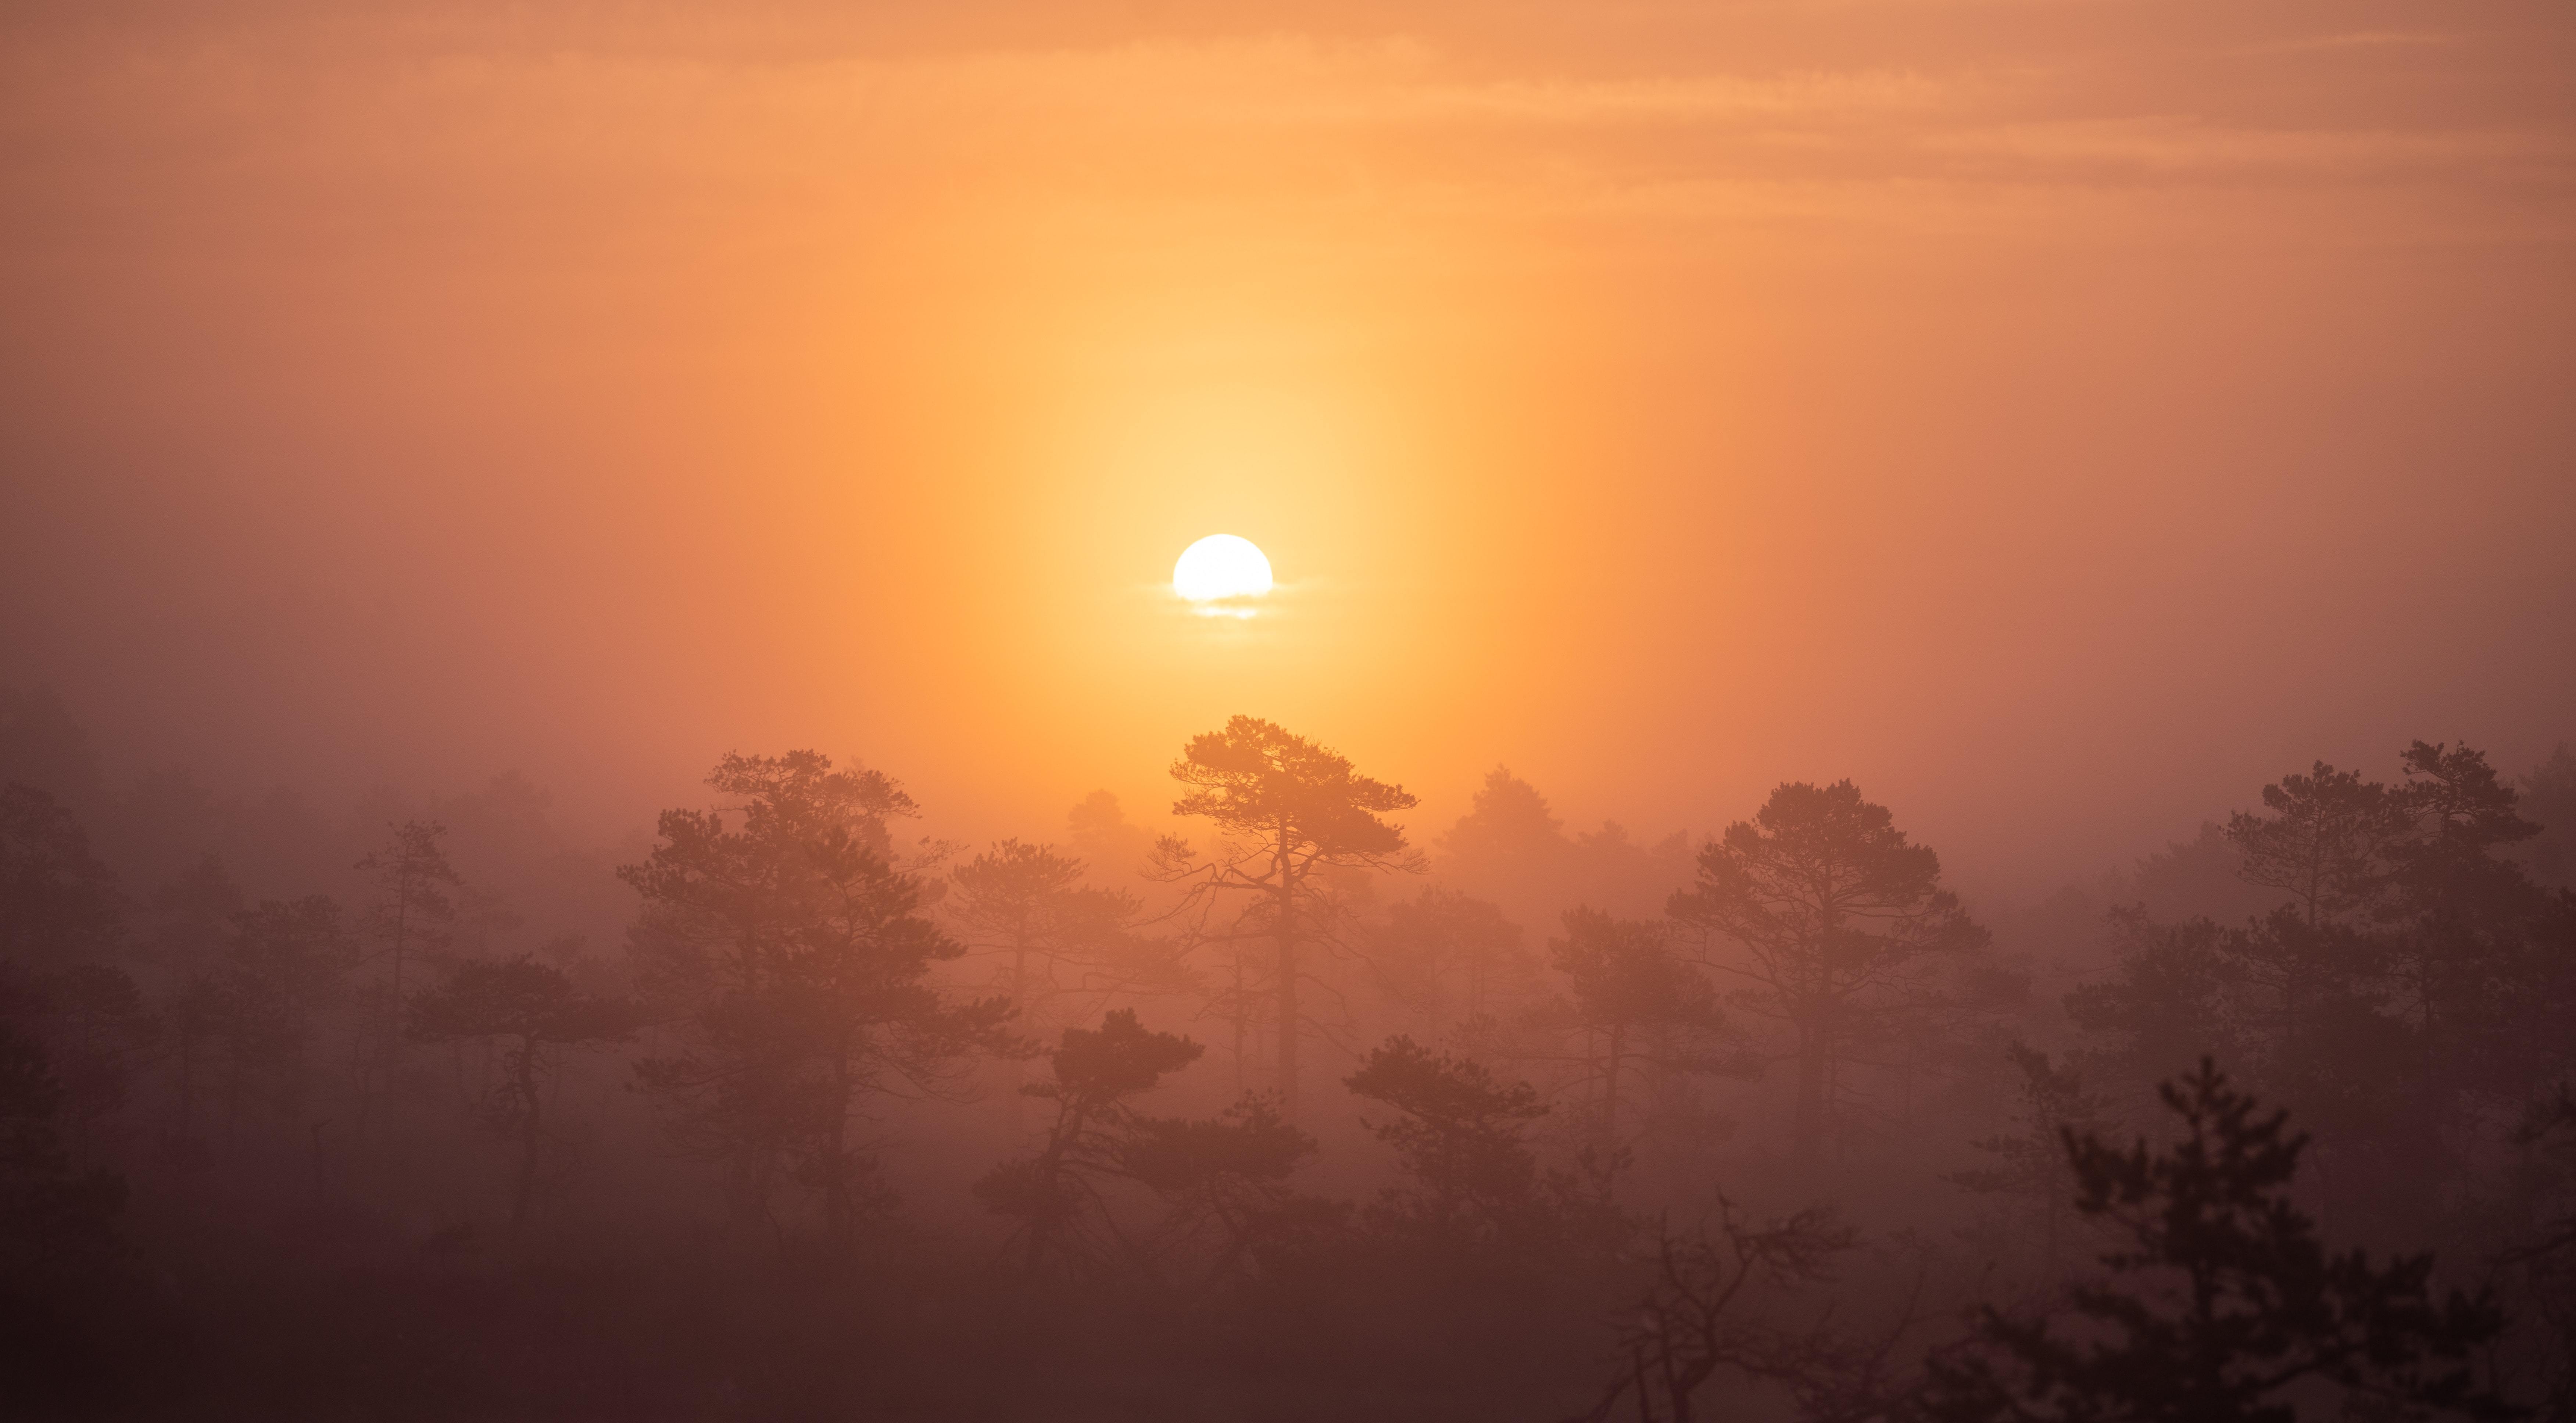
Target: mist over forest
column 1803, row 711
column 421, row 1107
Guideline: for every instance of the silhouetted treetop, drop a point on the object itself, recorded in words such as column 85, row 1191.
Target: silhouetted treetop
column 798, row 963
column 1029, row 904
column 533, row 1007
column 1507, row 823
column 1833, row 910
column 1813, row 858
column 1098, row 1066
column 2325, row 842
column 1099, row 829
column 1295, row 820
column 2448, row 874
column 518, row 997
column 801, row 793
column 1623, row 973
column 1449, row 957
column 1460, row 1139
column 2221, row 1300
column 1257, row 778
column 1220, row 1182
column 414, row 911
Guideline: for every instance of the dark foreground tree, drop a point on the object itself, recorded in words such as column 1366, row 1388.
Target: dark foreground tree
column 1289, row 814
column 534, row 1011
column 2222, row 1306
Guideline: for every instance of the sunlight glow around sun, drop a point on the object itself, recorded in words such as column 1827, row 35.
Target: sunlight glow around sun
column 1220, row 573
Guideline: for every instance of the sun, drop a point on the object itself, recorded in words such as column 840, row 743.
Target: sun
column 1220, row 573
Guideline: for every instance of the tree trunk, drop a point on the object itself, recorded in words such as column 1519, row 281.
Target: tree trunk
column 836, row 1184
column 1014, row 1070
column 1240, row 1015
column 1288, row 1014
column 528, row 1137
column 232, row 1095
column 1610, row 1099
column 1810, row 1127
column 1043, row 1224
column 187, row 1086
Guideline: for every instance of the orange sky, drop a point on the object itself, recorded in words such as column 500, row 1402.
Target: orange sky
column 2061, row 415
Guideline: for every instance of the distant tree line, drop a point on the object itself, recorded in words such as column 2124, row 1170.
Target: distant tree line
column 1287, row 1116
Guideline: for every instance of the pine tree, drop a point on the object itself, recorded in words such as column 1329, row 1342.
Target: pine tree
column 2221, row 1305
column 1834, row 913
column 793, row 954
column 1290, row 815
column 535, row 1011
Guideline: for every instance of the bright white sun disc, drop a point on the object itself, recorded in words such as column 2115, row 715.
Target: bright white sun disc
column 1221, row 566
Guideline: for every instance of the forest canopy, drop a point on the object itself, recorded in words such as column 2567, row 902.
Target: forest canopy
column 1285, row 1117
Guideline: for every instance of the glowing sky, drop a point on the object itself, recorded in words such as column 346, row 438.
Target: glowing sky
column 2061, row 416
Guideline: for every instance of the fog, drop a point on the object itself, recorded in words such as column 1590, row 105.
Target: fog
column 441, row 435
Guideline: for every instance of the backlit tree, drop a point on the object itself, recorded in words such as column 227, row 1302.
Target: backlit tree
column 1835, row 914
column 2220, row 1303
column 1288, row 814
column 795, row 959
column 533, row 1011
